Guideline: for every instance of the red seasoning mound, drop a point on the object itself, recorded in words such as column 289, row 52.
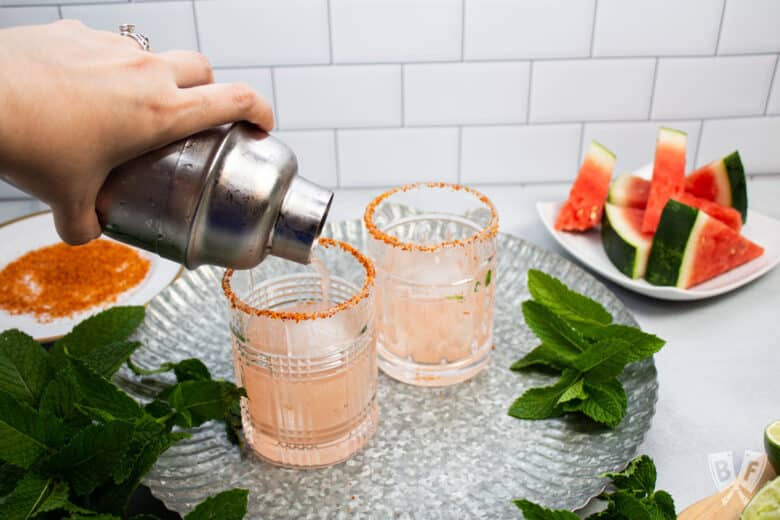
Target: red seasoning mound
column 60, row 280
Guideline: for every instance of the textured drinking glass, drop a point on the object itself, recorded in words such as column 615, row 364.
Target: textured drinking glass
column 434, row 247
column 304, row 348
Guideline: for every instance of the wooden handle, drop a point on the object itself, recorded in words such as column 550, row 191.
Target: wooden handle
column 729, row 503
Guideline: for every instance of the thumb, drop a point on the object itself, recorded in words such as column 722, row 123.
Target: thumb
column 76, row 224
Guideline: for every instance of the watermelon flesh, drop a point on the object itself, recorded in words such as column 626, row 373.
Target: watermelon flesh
column 722, row 181
column 728, row 216
column 690, row 247
column 668, row 175
column 629, row 191
column 624, row 243
column 583, row 209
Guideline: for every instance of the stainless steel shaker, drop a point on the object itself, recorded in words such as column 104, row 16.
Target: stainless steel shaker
column 226, row 196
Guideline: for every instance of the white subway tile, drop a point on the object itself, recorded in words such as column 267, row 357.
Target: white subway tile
column 13, row 16
column 648, row 27
column 10, row 192
column 712, row 87
column 510, row 29
column 773, row 105
column 56, row 2
column 265, row 32
column 338, row 96
column 750, row 26
column 519, row 154
column 395, row 30
column 397, row 156
column 756, row 139
column 579, row 90
column 316, row 153
column 465, row 93
column 634, row 143
column 169, row 25
column 258, row 79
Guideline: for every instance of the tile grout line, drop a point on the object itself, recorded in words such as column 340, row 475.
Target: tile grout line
column 582, row 145
column 593, row 27
column 698, row 142
column 330, row 33
column 403, row 96
column 459, row 176
column 530, row 90
column 720, row 27
column 771, row 86
column 274, row 93
column 195, row 21
column 463, row 29
column 652, row 91
column 337, row 157
column 59, row 11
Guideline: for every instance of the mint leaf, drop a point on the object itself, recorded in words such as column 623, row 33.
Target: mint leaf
column 552, row 330
column 575, row 391
column 606, row 403
column 57, row 499
column 191, row 370
column 24, row 367
column 629, row 507
column 106, row 359
column 28, row 494
column 25, row 434
column 199, row 401
column 146, row 430
column 228, row 505
column 109, row 326
column 94, row 391
column 643, row 345
column 88, row 459
column 638, row 477
column 532, row 511
column 10, row 475
column 568, row 304
column 661, row 506
column 542, row 403
column 547, row 357
column 609, row 354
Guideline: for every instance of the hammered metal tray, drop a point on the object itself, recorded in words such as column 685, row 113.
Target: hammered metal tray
column 438, row 453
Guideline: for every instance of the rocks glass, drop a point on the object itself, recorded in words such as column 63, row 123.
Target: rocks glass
column 434, row 248
column 304, row 350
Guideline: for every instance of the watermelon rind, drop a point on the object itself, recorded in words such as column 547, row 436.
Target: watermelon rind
column 672, row 135
column 738, row 183
column 670, row 242
column 597, row 147
column 627, row 248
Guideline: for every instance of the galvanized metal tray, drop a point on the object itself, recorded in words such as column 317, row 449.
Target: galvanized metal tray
column 438, row 453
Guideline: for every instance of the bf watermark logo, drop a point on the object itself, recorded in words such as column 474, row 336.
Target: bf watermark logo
column 740, row 485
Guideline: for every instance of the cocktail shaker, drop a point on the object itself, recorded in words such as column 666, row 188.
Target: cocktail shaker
column 226, row 196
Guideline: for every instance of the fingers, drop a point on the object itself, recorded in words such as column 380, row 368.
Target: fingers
column 76, row 225
column 219, row 103
column 190, row 68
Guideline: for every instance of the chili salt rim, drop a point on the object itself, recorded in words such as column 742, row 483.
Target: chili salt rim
column 488, row 232
column 362, row 294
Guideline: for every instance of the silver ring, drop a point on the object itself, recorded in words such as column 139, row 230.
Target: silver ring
column 128, row 29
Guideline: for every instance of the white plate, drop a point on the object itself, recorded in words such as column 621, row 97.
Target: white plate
column 587, row 248
column 26, row 234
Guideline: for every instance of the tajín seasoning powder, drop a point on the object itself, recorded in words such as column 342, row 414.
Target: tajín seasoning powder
column 61, row 280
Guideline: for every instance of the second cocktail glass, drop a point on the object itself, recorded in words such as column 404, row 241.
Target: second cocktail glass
column 434, row 247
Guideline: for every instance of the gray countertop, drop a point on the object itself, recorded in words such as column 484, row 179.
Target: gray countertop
column 719, row 374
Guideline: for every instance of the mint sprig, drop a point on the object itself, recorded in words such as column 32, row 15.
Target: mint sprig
column 583, row 346
column 631, row 496
column 74, row 445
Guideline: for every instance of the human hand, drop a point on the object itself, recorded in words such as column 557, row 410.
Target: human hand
column 75, row 103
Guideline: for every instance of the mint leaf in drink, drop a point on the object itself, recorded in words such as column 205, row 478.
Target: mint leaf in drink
column 110, row 326
column 545, row 356
column 26, row 434
column 567, row 304
column 88, row 459
column 638, row 477
column 551, row 329
column 541, row 403
column 24, row 368
column 532, row 511
column 228, row 505
column 28, row 494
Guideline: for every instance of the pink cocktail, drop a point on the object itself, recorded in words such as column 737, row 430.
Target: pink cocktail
column 434, row 247
column 304, row 350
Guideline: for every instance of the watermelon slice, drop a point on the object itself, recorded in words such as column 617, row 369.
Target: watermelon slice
column 668, row 175
column 722, row 181
column 629, row 191
column 691, row 247
column 625, row 244
column 587, row 196
column 728, row 216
